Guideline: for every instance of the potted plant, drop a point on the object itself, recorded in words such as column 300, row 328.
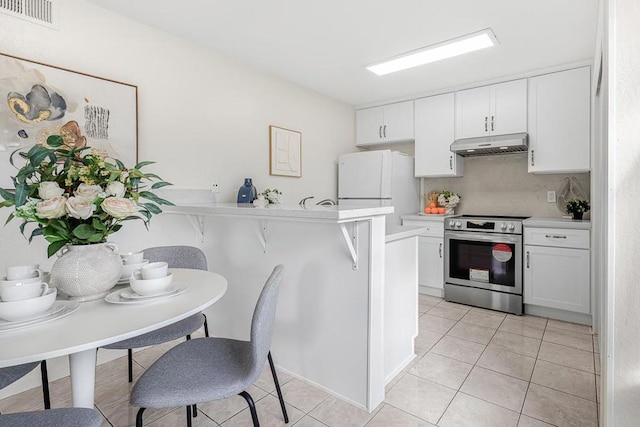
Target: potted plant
column 577, row 208
column 76, row 197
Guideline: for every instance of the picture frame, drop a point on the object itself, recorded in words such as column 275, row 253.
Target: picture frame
column 43, row 98
column 285, row 152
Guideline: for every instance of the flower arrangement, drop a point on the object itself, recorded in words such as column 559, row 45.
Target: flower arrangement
column 577, row 207
column 448, row 199
column 75, row 195
column 272, row 196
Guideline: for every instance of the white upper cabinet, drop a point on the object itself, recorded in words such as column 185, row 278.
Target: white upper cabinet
column 434, row 133
column 386, row 124
column 559, row 117
column 498, row 109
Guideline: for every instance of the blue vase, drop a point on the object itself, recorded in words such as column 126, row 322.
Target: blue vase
column 247, row 193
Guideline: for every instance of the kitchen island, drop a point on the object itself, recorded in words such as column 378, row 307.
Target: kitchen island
column 334, row 305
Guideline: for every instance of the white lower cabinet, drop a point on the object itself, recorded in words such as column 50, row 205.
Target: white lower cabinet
column 557, row 269
column 430, row 255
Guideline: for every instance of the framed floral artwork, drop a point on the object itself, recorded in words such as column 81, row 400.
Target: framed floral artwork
column 41, row 100
column 285, row 152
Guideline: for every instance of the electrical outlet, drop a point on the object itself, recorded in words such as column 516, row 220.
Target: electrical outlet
column 551, row 196
column 215, row 187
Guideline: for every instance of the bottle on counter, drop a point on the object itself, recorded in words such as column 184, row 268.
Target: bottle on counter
column 247, row 193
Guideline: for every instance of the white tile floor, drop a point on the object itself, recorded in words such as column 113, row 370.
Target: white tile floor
column 473, row 367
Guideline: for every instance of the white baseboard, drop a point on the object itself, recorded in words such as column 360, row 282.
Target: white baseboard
column 554, row 313
column 428, row 290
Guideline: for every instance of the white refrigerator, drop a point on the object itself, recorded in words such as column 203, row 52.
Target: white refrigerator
column 379, row 178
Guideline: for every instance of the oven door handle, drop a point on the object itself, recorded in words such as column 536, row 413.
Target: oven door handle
column 483, row 237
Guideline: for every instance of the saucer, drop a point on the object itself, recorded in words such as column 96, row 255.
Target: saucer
column 129, row 293
column 58, row 310
column 116, row 298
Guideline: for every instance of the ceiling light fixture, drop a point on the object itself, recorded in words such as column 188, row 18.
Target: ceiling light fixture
column 447, row 49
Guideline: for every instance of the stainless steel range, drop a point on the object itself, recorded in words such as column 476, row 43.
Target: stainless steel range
column 483, row 262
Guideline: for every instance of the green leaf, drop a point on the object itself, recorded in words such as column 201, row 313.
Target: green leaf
column 11, row 216
column 55, row 141
column 154, row 209
column 7, row 195
column 36, row 232
column 151, row 176
column 55, row 247
column 22, row 192
column 84, row 231
column 37, row 154
column 98, row 225
column 143, row 164
column 120, row 164
column 160, row 185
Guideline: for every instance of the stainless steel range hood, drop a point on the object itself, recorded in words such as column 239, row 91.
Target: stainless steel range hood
column 491, row 145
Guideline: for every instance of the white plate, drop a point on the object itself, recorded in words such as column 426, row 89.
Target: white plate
column 130, row 293
column 58, row 310
column 115, row 298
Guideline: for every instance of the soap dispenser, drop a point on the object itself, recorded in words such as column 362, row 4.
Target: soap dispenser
column 247, row 193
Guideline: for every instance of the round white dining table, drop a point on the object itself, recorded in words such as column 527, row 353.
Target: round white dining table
column 98, row 323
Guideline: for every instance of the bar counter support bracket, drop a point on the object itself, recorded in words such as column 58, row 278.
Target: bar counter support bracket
column 261, row 233
column 351, row 239
column 197, row 221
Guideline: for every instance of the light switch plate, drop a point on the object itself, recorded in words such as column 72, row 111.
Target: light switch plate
column 551, row 196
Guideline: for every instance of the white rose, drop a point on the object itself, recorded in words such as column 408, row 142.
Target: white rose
column 119, row 208
column 89, row 192
column 51, row 208
column 80, row 208
column 115, row 189
column 49, row 189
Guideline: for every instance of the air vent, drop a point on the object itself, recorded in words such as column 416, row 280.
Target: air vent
column 44, row 12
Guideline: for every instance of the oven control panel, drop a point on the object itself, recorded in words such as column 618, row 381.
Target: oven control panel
column 506, row 225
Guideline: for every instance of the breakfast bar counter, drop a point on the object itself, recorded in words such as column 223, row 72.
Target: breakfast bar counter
column 334, row 300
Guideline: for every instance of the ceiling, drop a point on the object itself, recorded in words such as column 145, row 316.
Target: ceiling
column 324, row 45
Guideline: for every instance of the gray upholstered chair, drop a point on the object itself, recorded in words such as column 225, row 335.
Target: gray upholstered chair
column 205, row 369
column 60, row 417
column 11, row 374
column 177, row 257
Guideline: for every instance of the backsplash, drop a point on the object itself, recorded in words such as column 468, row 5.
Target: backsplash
column 501, row 185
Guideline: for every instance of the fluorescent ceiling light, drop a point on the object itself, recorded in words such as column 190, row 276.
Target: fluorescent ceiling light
column 450, row 48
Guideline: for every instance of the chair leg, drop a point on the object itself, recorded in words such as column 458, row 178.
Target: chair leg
column 139, row 417
column 45, row 384
column 188, row 337
column 188, row 415
column 206, row 326
column 275, row 380
column 130, row 360
column 252, row 408
column 195, row 410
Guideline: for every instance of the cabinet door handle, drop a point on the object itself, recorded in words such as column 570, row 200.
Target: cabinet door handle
column 485, row 123
column 555, row 236
column 451, row 162
column 440, row 250
column 380, row 131
column 384, row 131
column 491, row 123
column 532, row 161
column 527, row 259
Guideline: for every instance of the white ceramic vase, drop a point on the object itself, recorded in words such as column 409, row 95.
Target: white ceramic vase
column 86, row 272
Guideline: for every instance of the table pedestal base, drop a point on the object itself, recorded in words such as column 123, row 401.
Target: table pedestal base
column 83, row 374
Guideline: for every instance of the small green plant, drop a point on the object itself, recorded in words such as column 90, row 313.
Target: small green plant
column 273, row 196
column 578, row 206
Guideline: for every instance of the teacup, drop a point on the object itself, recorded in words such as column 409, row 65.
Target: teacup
column 154, row 270
column 22, row 291
column 132, row 257
column 5, row 281
column 16, row 272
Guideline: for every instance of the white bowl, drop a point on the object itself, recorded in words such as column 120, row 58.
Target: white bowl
column 15, row 311
column 149, row 286
column 132, row 257
column 128, row 269
column 154, row 270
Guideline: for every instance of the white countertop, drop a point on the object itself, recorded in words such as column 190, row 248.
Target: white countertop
column 427, row 217
column 315, row 212
column 557, row 223
column 398, row 232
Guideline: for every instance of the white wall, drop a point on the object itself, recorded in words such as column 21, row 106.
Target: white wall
column 625, row 164
column 201, row 117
